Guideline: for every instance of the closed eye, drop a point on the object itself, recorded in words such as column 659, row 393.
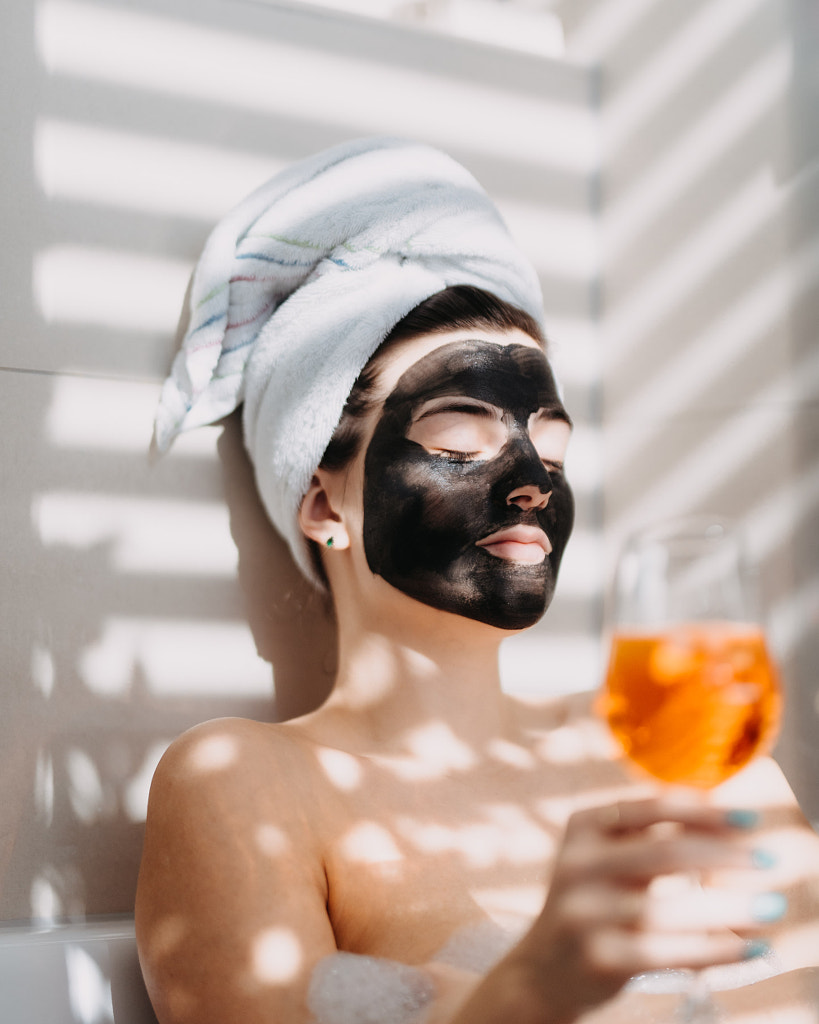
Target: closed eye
column 453, row 456
column 460, row 434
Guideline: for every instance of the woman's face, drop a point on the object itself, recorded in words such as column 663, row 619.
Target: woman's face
column 465, row 506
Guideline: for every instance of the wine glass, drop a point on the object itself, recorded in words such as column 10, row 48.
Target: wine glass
column 691, row 693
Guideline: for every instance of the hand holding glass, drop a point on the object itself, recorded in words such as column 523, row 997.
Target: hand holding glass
column 691, row 693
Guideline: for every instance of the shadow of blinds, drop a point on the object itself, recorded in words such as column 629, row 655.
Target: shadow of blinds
column 147, row 124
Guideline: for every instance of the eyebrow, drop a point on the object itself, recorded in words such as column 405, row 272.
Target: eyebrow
column 555, row 411
column 485, row 410
column 456, row 404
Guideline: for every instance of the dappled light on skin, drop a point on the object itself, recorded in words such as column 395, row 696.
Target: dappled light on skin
column 511, row 754
column 798, row 945
column 167, row 936
column 276, row 956
column 182, row 1003
column 164, row 944
column 511, row 905
column 342, row 769
column 370, row 843
column 555, row 810
column 271, row 840
column 506, row 836
column 213, row 753
column 434, row 751
column 569, row 744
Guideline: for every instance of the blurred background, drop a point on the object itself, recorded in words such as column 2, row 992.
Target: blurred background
column 657, row 159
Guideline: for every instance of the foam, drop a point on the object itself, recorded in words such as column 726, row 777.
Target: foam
column 718, row 978
column 478, row 947
column 347, row 988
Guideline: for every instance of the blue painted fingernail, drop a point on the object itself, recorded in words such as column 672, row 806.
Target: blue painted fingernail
column 739, row 817
column 768, row 906
column 755, row 948
column 763, row 858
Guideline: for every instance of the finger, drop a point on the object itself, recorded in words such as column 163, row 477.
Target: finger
column 680, row 807
column 712, row 910
column 691, row 910
column 637, row 859
column 620, row 951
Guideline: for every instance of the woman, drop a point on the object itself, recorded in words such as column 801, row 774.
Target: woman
column 424, row 846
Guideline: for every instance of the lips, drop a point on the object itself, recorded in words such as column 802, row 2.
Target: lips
column 525, row 544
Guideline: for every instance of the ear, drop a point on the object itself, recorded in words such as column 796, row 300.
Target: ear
column 317, row 518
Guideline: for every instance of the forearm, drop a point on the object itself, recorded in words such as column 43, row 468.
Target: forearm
column 523, row 987
column 789, row 998
column 505, row 994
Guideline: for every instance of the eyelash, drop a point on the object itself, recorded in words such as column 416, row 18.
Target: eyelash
column 459, row 457
column 463, row 457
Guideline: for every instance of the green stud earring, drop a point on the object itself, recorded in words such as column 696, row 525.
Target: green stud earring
column 329, row 542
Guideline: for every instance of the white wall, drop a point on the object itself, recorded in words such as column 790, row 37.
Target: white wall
column 128, row 587
column 710, row 266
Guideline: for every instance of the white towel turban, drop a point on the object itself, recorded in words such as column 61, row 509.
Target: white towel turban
column 298, row 286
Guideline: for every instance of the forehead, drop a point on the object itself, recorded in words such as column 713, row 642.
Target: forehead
column 406, row 354
column 501, row 372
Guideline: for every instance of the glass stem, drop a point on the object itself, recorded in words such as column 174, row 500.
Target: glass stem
column 699, row 1007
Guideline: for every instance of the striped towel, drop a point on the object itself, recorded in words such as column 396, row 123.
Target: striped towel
column 298, row 285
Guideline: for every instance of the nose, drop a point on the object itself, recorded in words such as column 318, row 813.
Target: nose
column 529, row 498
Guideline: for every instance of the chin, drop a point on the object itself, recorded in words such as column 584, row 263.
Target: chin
column 507, row 595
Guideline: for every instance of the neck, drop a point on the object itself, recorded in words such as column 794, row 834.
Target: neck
column 412, row 668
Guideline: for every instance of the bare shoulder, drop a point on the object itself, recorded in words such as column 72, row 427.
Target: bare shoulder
column 232, row 880
column 227, row 780
column 230, row 786
column 227, row 752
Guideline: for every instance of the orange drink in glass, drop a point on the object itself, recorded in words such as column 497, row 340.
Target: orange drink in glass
column 691, row 704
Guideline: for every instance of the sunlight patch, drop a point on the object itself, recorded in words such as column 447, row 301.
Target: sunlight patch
column 277, row 956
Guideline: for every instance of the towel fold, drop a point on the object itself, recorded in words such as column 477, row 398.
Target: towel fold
column 297, row 287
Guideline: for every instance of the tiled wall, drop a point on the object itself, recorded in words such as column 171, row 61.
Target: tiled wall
column 136, row 599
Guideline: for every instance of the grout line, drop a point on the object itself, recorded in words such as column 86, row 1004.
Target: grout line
column 82, row 375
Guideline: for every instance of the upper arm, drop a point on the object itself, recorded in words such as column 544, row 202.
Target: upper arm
column 231, row 902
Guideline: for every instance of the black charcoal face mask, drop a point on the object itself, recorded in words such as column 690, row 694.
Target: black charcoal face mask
column 427, row 509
